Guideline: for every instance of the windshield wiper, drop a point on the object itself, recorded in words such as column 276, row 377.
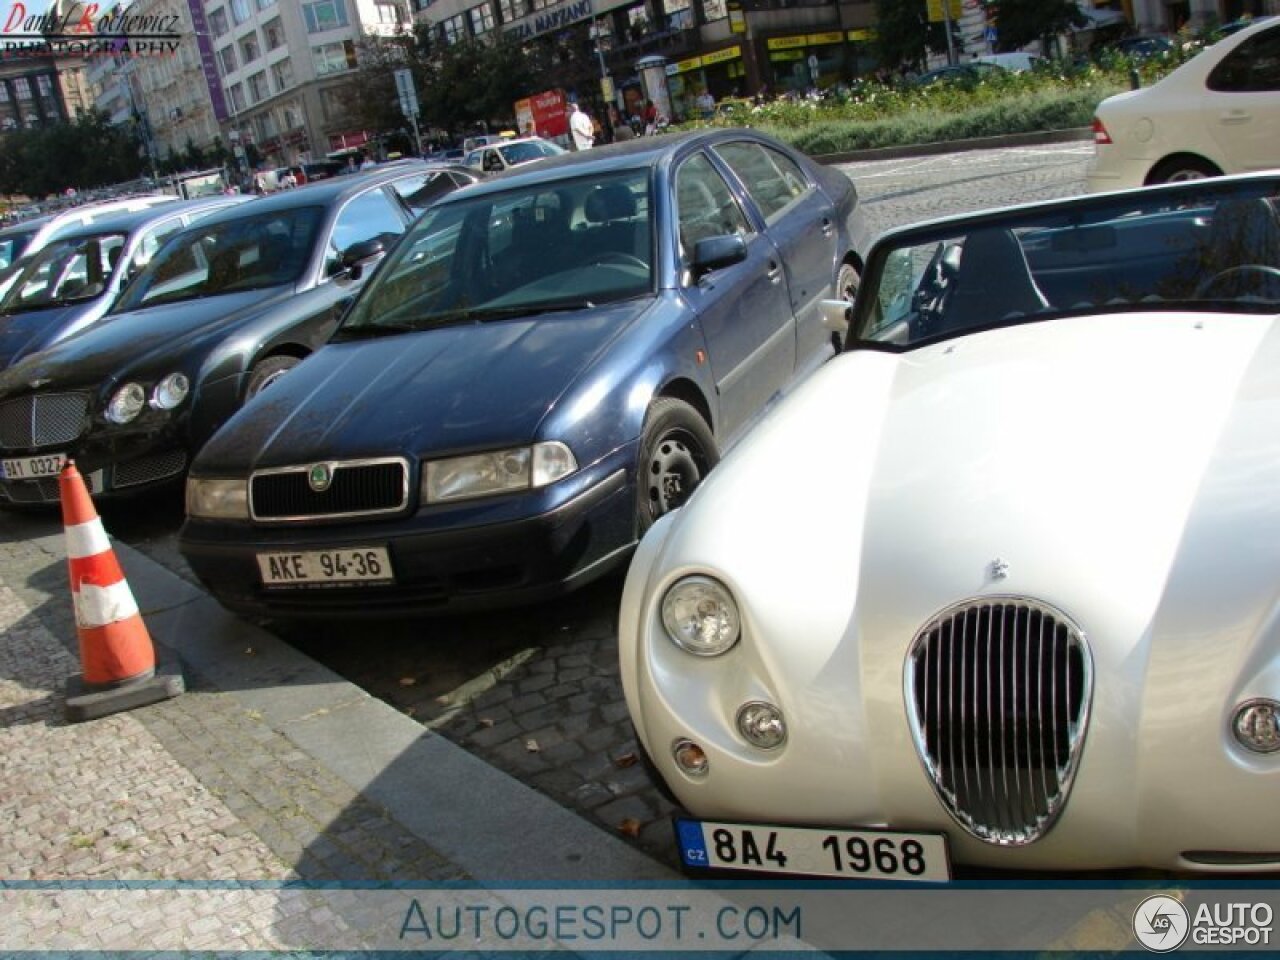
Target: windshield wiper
column 371, row 331
column 486, row 314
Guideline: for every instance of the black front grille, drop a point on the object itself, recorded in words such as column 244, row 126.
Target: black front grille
column 42, row 420
column 999, row 696
column 157, row 466
column 356, row 489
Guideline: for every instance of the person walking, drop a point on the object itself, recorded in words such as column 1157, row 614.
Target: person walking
column 581, row 127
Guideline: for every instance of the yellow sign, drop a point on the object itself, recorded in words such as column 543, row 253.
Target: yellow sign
column 936, row 14
column 786, row 43
column 720, row 56
column 684, row 66
column 820, row 39
column 787, row 55
column 865, row 35
column 737, row 22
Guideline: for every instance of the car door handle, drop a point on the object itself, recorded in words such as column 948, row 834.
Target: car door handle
column 1235, row 116
column 775, row 272
column 827, row 228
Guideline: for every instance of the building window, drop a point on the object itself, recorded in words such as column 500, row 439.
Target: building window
column 481, row 19
column 4, row 92
column 509, row 10
column 227, row 60
column 258, row 89
column 265, row 4
column 543, row 4
column 290, row 118
column 334, row 57
column 249, row 48
column 325, row 15
column 44, row 85
column 331, row 105
column 236, row 93
column 282, row 74
column 22, row 87
column 239, row 11
column 714, row 10
column 454, row 29
column 218, row 22
column 274, row 34
column 388, row 13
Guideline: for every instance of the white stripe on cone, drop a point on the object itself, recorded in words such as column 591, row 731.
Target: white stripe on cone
column 87, row 539
column 98, row 606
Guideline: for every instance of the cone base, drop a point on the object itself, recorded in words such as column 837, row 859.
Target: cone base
column 88, row 702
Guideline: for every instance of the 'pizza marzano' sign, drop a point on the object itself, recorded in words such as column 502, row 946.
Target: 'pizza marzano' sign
column 551, row 19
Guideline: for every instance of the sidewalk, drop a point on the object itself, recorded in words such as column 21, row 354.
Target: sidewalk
column 269, row 767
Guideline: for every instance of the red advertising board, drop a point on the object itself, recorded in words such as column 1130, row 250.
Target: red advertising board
column 548, row 112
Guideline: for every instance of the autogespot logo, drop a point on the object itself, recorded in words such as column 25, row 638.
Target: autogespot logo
column 1161, row 923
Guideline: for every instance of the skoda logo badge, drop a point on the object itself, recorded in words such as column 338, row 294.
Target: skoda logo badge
column 319, row 477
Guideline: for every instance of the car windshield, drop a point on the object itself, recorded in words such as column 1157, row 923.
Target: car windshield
column 1211, row 247
column 12, row 245
column 522, row 151
column 247, row 253
column 539, row 248
column 67, row 271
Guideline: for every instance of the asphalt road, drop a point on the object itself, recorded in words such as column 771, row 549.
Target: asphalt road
column 536, row 692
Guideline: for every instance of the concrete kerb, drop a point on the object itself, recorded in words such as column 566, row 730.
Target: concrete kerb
column 484, row 821
column 957, row 146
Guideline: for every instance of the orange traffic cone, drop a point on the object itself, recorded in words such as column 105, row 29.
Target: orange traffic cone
column 117, row 659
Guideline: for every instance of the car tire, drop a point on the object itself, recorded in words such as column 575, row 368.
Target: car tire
column 1177, row 169
column 848, row 279
column 677, row 450
column 266, row 372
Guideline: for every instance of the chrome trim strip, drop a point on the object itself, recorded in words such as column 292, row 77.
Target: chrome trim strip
column 334, row 466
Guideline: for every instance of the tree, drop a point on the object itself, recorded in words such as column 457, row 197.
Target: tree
column 1022, row 22
column 87, row 153
column 904, row 32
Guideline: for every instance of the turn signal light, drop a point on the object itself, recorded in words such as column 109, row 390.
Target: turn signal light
column 690, row 758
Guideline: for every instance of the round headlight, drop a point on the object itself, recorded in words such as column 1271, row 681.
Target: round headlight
column 761, row 724
column 1257, row 725
column 127, row 403
column 700, row 616
column 170, row 391
column 690, row 758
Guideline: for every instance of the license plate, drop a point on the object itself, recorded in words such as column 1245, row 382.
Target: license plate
column 319, row 567
column 33, row 468
column 814, row 852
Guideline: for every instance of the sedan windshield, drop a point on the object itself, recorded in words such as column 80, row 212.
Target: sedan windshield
column 65, row 272
column 247, row 253
column 539, row 248
column 1210, row 247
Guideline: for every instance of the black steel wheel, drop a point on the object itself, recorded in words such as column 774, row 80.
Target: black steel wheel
column 677, row 450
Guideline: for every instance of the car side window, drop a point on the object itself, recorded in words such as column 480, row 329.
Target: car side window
column 705, row 207
column 772, row 178
column 1253, row 67
column 420, row 191
column 152, row 241
column 492, row 160
column 369, row 215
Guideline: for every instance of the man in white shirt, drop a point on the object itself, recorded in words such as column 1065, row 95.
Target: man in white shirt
column 581, row 127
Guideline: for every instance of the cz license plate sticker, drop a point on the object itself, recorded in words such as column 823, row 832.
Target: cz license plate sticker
column 814, row 852
column 33, row 468
column 310, row 568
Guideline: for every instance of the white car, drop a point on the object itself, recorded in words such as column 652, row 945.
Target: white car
column 997, row 584
column 496, row 157
column 1217, row 113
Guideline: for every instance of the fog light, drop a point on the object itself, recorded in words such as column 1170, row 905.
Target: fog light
column 762, row 724
column 690, row 758
column 1257, row 725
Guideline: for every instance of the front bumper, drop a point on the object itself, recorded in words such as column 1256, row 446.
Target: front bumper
column 440, row 563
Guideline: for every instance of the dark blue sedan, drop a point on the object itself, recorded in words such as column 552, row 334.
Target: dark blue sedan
column 544, row 365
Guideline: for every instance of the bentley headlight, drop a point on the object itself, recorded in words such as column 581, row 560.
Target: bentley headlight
column 170, row 391
column 700, row 616
column 127, row 403
column 217, row 499
column 499, row 471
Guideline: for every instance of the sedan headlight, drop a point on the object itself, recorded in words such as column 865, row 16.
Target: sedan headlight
column 170, row 391
column 126, row 403
column 700, row 616
column 499, row 471
column 217, row 499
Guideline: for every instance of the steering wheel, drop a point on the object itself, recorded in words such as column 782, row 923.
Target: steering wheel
column 621, row 259
column 1264, row 275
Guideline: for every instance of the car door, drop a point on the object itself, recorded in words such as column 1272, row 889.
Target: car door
column 801, row 221
column 744, row 308
column 1241, row 105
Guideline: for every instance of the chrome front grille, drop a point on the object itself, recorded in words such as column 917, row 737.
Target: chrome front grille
column 356, row 488
column 998, row 692
column 42, row 420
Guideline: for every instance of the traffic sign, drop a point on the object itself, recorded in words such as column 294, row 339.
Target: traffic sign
column 936, row 13
column 406, row 92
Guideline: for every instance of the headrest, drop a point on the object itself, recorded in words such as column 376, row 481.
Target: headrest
column 612, row 201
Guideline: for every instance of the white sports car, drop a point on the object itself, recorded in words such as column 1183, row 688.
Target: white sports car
column 1000, row 583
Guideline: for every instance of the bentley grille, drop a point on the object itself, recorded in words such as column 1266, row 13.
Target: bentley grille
column 42, row 420
column 354, row 489
column 998, row 691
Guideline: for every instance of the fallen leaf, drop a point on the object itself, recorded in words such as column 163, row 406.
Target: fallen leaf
column 532, row 746
column 629, row 827
column 407, row 681
column 626, row 760
column 486, row 722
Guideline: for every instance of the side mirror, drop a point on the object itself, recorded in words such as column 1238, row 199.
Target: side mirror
column 358, row 254
column 713, row 253
column 837, row 315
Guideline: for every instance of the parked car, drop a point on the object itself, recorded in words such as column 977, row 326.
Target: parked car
column 962, row 74
column 438, row 180
column 72, row 282
column 1217, row 113
column 1016, row 61
column 549, row 361
column 1018, row 596
column 1144, row 46
column 223, row 311
column 497, row 157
